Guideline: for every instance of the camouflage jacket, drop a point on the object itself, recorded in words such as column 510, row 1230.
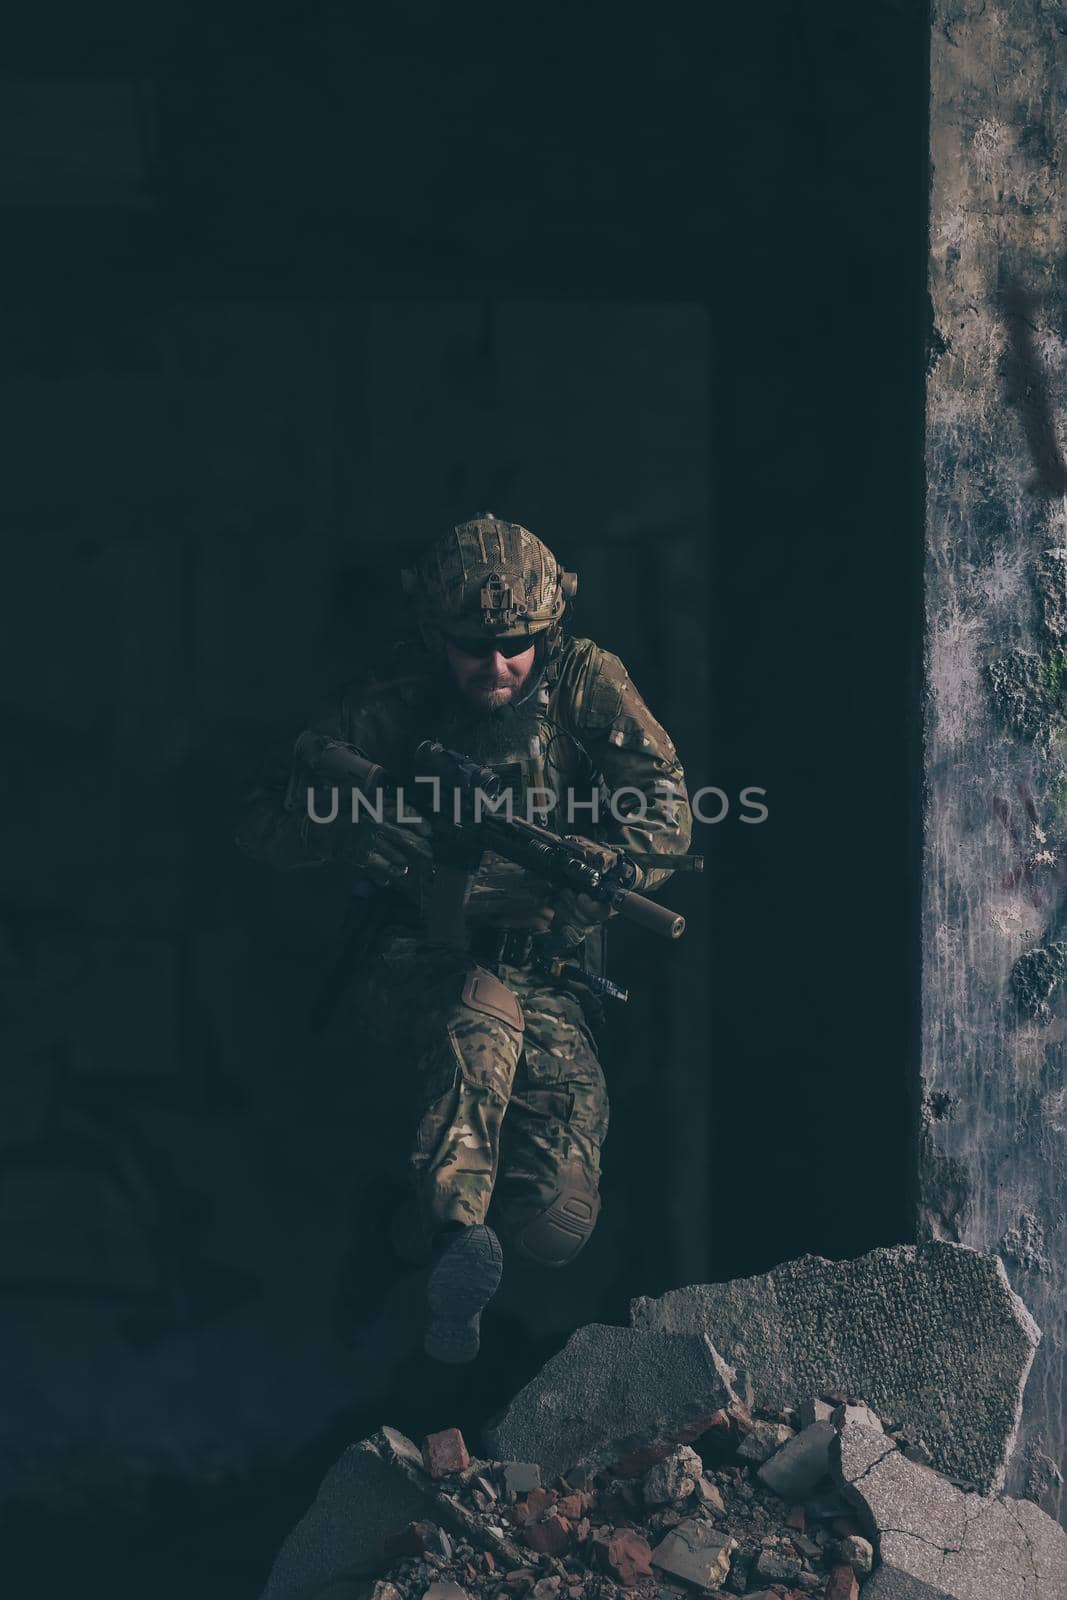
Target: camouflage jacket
column 596, row 741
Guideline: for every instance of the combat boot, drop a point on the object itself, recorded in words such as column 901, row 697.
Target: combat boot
column 465, row 1275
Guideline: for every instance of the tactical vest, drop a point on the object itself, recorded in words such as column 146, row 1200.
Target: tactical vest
column 548, row 781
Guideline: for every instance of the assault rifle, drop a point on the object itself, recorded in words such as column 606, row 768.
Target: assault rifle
column 464, row 830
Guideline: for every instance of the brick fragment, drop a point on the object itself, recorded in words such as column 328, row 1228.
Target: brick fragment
column 532, row 1506
column 444, row 1453
column 574, row 1505
column 843, row 1585
column 629, row 1558
column 550, row 1537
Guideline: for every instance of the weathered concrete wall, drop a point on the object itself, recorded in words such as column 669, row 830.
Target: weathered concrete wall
column 994, row 1161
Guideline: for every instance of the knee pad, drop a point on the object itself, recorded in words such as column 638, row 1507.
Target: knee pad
column 553, row 1237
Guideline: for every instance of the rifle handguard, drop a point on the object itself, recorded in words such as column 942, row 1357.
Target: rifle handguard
column 339, row 761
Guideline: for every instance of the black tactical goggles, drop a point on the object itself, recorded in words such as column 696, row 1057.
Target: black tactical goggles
column 483, row 648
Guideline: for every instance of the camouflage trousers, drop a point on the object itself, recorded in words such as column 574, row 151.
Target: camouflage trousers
column 511, row 1106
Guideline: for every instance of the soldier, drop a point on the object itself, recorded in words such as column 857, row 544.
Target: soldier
column 512, row 1108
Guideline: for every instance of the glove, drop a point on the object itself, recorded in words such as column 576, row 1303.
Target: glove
column 577, row 914
column 385, row 851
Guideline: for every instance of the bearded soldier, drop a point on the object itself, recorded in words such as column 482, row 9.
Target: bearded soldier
column 511, row 1108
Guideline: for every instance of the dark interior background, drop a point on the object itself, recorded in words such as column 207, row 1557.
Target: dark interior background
column 285, row 297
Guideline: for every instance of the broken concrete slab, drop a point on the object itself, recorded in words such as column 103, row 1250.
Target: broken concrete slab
column 861, row 1414
column 361, row 1503
column 614, row 1397
column 904, row 1326
column 364, row 1506
column 696, row 1552
column 936, row 1542
column 794, row 1470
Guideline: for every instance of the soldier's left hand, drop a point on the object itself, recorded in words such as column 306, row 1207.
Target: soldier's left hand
column 576, row 914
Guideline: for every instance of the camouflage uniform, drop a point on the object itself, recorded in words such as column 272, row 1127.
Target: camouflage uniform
column 511, row 1106
column 508, row 1112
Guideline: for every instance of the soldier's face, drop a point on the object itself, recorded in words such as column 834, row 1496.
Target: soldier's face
column 493, row 673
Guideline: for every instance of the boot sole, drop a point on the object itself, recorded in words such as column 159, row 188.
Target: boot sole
column 461, row 1283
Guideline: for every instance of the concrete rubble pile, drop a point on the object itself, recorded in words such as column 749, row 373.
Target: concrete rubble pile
column 652, row 1471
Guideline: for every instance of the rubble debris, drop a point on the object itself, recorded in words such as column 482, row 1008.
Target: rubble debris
column 777, row 1564
column 618, row 1397
column 533, row 1505
column 383, row 1590
column 709, row 1496
column 794, row 1470
column 673, row 1478
column 551, row 1536
column 814, row 1411
column 854, row 1551
column 826, row 1503
column 843, row 1584
column 413, row 1540
column 940, row 1543
column 717, row 1530
column 836, row 1511
column 697, row 1552
column 629, row 1557
column 520, row 1477
column 763, row 1440
column 895, row 1327
column 445, row 1453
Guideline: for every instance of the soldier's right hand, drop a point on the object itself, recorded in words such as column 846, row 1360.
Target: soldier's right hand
column 386, row 850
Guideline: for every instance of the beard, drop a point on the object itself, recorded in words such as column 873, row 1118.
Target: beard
column 494, row 733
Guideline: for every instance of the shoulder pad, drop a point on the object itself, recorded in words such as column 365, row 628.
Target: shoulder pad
column 591, row 685
column 604, row 690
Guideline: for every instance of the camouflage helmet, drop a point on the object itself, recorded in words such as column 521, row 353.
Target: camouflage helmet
column 488, row 578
